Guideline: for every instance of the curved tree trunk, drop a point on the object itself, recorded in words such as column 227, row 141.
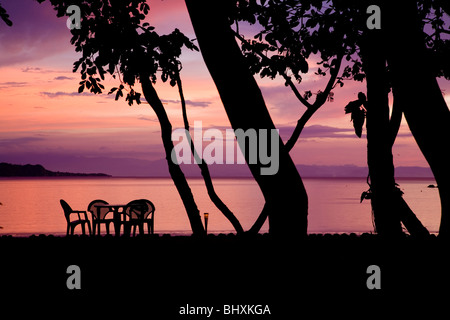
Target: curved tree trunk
column 175, row 171
column 388, row 205
column 205, row 170
column 415, row 88
column 283, row 191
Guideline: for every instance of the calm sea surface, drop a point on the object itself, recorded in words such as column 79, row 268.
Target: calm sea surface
column 31, row 205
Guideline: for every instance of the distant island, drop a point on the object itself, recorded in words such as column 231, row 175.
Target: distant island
column 29, row 170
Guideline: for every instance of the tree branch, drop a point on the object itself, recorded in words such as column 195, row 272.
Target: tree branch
column 285, row 76
column 320, row 101
column 395, row 121
column 299, row 128
column 204, row 168
column 260, row 221
column 331, row 82
column 296, row 92
column 175, row 171
column 311, row 108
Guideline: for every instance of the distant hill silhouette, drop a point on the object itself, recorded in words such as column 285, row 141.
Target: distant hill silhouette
column 128, row 167
column 15, row 170
column 306, row 171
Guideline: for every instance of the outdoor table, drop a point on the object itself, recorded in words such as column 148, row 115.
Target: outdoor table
column 115, row 208
column 116, row 214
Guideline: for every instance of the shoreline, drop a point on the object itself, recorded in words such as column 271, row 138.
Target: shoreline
column 187, row 234
column 227, row 238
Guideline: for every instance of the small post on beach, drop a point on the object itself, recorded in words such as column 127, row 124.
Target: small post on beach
column 206, row 216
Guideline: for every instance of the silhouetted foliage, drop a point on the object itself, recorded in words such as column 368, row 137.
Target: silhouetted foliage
column 115, row 39
column 358, row 113
column 292, row 31
column 5, row 16
column 437, row 34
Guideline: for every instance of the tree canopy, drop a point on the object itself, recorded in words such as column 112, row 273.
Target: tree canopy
column 115, row 39
column 291, row 31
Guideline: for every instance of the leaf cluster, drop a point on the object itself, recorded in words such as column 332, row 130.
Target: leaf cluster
column 435, row 19
column 290, row 31
column 5, row 16
column 115, row 39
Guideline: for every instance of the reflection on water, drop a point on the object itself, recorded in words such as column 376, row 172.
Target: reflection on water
column 31, row 205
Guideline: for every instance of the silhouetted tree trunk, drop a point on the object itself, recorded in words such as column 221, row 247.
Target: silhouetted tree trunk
column 284, row 192
column 415, row 88
column 205, row 170
column 175, row 171
column 388, row 205
column 379, row 151
column 407, row 216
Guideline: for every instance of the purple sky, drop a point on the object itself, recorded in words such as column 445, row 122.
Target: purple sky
column 44, row 120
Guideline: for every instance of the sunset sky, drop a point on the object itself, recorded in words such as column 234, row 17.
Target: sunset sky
column 44, row 120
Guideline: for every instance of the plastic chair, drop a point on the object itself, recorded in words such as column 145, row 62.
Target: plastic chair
column 72, row 224
column 97, row 219
column 138, row 213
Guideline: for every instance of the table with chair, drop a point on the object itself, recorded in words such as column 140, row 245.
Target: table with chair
column 133, row 215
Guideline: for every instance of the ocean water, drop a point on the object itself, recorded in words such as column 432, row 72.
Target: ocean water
column 31, row 205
